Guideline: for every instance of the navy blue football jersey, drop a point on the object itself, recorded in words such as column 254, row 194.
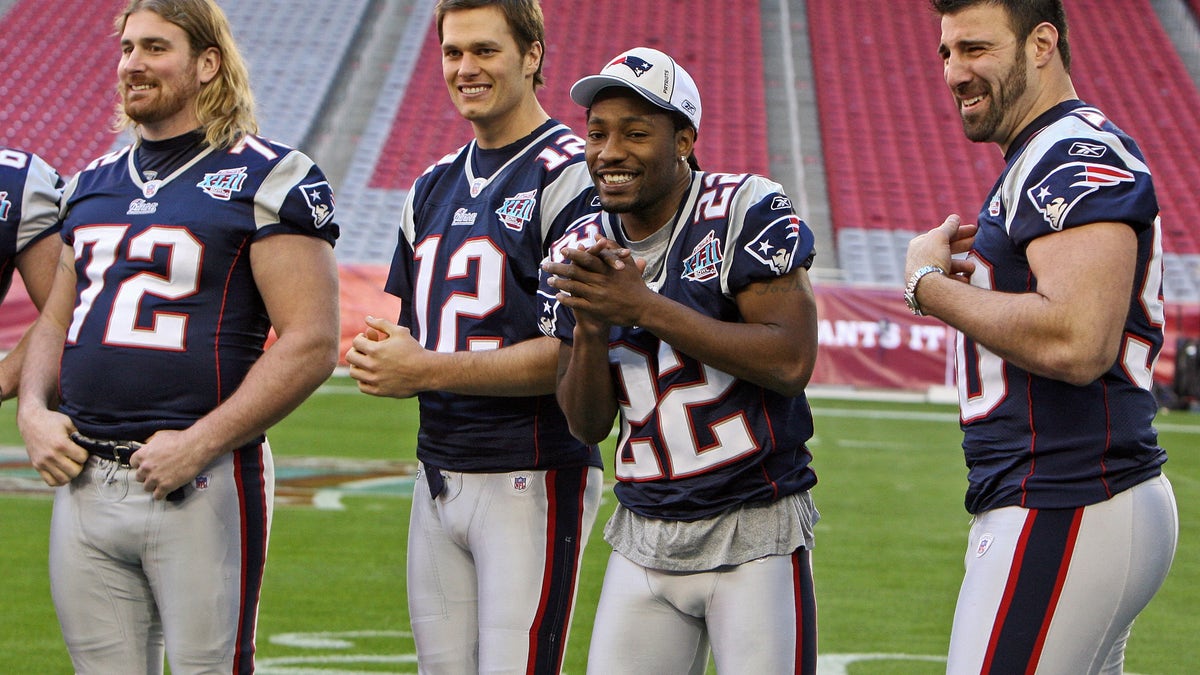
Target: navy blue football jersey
column 29, row 199
column 168, row 318
column 1033, row 441
column 694, row 440
column 466, row 269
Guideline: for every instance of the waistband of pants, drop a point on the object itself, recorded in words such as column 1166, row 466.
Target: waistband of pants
column 118, row 451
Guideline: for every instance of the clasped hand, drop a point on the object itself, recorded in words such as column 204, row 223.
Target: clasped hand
column 601, row 283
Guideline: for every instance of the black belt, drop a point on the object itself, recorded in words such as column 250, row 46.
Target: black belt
column 117, row 451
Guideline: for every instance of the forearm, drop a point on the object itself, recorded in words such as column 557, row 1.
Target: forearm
column 585, row 389
column 43, row 344
column 1027, row 330
column 286, row 374
column 765, row 354
column 524, row 369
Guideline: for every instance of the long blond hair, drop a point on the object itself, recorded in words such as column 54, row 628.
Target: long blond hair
column 225, row 105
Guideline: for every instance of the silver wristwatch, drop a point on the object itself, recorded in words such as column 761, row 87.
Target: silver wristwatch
column 910, row 289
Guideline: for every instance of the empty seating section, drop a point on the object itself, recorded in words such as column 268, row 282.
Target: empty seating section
column 59, row 101
column 295, row 50
column 895, row 157
column 724, row 56
column 57, row 93
column 896, row 161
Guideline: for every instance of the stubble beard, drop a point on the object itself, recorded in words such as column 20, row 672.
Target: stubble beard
column 1003, row 98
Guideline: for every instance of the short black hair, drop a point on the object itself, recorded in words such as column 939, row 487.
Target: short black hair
column 1024, row 16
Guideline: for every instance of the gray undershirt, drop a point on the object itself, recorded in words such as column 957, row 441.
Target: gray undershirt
column 748, row 532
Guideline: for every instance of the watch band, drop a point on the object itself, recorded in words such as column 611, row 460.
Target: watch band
column 910, row 289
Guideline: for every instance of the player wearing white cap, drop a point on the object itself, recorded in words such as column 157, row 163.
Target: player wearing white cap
column 685, row 306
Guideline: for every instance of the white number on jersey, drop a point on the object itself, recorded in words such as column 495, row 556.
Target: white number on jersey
column 488, row 297
column 168, row 330
column 637, row 459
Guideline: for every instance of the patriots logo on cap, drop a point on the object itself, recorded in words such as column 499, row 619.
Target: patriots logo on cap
column 638, row 65
column 1063, row 188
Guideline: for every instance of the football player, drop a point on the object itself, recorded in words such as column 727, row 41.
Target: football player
column 30, row 190
column 1060, row 324
column 505, row 498
column 180, row 252
column 685, row 307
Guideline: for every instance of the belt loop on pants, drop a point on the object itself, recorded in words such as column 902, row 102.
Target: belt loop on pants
column 117, row 451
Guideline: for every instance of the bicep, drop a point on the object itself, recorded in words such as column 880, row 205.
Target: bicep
column 37, row 264
column 297, row 278
column 785, row 303
column 1087, row 273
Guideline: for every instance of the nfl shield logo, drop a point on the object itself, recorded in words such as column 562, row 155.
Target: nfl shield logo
column 520, row 483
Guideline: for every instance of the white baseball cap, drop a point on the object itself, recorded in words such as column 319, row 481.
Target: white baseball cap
column 650, row 73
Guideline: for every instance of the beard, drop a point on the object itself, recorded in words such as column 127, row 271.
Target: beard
column 166, row 102
column 1006, row 94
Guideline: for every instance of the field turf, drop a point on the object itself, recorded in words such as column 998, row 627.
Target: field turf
column 887, row 562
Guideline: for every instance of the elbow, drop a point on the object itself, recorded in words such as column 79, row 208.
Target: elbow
column 590, row 436
column 1082, row 367
column 793, row 380
column 321, row 355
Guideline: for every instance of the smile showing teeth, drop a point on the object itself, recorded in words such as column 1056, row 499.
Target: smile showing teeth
column 473, row 90
column 968, row 102
column 617, row 178
column 140, row 87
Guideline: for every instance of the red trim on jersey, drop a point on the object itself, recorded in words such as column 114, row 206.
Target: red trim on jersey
column 1032, row 440
column 1010, row 587
column 770, row 432
column 1107, row 441
column 1060, row 581
column 221, row 320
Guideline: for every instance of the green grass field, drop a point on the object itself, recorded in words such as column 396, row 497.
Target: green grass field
column 887, row 562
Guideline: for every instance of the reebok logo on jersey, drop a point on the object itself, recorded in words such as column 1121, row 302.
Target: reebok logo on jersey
column 704, row 262
column 319, row 197
column 780, row 203
column 515, row 211
column 5, row 205
column 1063, row 188
column 1081, row 149
column 222, row 184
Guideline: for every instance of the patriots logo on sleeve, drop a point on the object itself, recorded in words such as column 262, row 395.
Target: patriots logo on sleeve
column 1063, row 188
column 548, row 316
column 5, row 205
column 319, row 197
column 768, row 250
